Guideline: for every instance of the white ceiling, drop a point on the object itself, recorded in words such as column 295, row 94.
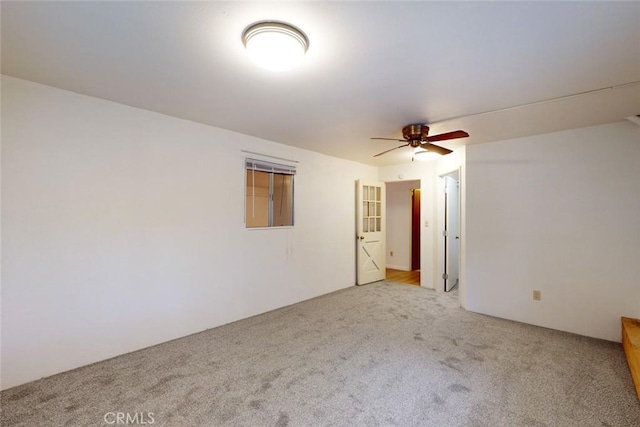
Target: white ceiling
column 372, row 67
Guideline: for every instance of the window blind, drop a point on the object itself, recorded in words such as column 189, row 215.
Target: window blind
column 264, row 166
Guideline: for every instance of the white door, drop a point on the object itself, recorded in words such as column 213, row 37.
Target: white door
column 370, row 229
column 452, row 231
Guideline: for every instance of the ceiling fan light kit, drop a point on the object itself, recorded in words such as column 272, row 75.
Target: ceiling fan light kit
column 417, row 135
column 422, row 155
column 274, row 45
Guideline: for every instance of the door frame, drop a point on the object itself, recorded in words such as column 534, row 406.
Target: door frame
column 406, row 231
column 441, row 212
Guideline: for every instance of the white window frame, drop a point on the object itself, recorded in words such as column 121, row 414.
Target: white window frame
column 260, row 165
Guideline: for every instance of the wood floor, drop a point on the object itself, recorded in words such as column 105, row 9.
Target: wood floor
column 631, row 346
column 409, row 277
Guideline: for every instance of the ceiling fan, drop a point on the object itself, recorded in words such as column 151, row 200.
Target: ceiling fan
column 416, row 135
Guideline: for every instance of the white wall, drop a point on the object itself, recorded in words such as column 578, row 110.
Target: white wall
column 399, row 211
column 123, row 228
column 559, row 213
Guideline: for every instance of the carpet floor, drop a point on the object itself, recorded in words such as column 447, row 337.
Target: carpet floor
column 384, row 354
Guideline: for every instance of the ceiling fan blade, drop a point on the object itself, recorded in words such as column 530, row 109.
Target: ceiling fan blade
column 449, row 135
column 390, row 139
column 435, row 148
column 394, row 148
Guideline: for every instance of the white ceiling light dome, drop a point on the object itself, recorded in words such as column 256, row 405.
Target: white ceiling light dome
column 422, row 155
column 274, row 45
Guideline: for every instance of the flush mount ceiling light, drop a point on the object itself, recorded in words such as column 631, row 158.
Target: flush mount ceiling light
column 273, row 45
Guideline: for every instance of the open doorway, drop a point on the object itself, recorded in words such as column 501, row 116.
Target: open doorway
column 403, row 232
column 451, row 232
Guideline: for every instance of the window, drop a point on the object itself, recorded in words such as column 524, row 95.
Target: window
column 371, row 209
column 269, row 194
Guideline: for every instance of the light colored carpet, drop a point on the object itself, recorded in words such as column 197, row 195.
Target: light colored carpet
column 384, row 354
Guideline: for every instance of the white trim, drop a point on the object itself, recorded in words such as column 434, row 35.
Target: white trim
column 268, row 156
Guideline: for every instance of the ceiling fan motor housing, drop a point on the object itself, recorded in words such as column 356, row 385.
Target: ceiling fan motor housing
column 415, row 134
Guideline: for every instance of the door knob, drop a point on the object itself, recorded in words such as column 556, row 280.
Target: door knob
column 361, row 237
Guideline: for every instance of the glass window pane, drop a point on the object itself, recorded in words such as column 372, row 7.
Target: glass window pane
column 372, row 224
column 379, row 209
column 365, row 209
column 282, row 200
column 365, row 225
column 257, row 199
column 365, row 192
column 378, row 194
column 378, row 224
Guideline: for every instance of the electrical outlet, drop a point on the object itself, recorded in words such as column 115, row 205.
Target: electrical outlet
column 537, row 295
column 391, row 253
